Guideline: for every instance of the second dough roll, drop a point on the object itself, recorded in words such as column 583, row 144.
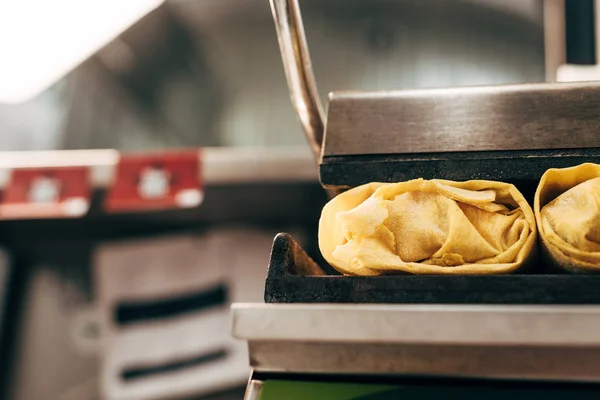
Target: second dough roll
column 428, row 227
column 567, row 209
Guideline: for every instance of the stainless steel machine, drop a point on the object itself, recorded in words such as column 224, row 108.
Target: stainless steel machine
column 326, row 336
column 510, row 132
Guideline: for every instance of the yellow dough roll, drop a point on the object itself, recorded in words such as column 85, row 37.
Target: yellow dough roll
column 428, row 227
column 567, row 210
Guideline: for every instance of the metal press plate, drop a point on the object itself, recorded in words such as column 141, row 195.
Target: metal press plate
column 558, row 343
column 486, row 118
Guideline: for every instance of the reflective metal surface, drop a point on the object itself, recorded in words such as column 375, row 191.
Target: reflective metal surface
column 520, row 363
column 298, row 70
column 497, row 325
column 510, row 117
column 253, row 389
column 532, row 342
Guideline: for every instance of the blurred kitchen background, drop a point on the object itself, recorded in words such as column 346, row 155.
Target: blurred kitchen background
column 135, row 305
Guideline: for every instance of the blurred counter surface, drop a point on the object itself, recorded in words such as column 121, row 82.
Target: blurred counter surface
column 218, row 165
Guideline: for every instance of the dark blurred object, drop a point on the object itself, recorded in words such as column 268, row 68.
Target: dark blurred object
column 5, row 312
column 4, row 279
column 580, row 18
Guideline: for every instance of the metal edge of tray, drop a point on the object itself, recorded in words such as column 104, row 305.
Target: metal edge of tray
column 560, row 343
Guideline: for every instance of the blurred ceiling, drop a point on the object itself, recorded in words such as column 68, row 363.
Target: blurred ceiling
column 208, row 72
column 41, row 41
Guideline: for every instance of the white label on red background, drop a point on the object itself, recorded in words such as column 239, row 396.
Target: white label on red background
column 54, row 192
column 156, row 182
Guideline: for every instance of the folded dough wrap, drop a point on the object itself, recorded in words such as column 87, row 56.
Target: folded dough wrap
column 428, row 227
column 567, row 209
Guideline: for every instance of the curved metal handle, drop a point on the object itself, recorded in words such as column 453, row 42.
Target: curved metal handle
column 298, row 70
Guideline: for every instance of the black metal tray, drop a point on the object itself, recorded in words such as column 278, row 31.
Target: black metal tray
column 293, row 277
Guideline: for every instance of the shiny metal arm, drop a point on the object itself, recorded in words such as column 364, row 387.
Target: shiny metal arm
column 298, row 70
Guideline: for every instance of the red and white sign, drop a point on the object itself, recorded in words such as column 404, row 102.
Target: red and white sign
column 156, row 182
column 49, row 192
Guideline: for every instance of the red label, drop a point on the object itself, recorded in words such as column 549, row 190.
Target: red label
column 156, row 182
column 46, row 193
